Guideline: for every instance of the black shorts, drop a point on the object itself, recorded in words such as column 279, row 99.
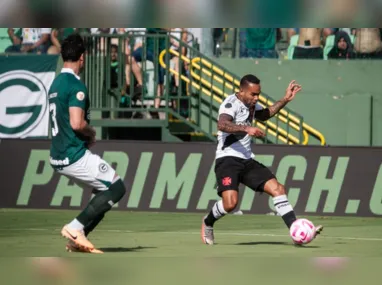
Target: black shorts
column 305, row 53
column 231, row 171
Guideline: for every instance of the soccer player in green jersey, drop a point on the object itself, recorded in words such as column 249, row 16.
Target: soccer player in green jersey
column 72, row 136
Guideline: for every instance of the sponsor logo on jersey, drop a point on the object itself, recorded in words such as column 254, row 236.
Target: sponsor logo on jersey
column 103, row 167
column 53, row 95
column 59, row 162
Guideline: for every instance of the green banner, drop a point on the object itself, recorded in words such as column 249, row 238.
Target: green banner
column 24, row 84
column 179, row 177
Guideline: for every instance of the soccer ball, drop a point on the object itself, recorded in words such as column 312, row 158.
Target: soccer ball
column 302, row 231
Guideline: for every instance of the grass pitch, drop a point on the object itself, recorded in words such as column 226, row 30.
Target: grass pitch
column 165, row 248
column 28, row 233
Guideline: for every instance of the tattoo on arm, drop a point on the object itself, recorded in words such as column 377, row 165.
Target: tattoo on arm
column 276, row 107
column 269, row 112
column 226, row 124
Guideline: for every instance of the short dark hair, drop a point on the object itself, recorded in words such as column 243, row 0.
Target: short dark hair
column 249, row 78
column 72, row 48
column 114, row 46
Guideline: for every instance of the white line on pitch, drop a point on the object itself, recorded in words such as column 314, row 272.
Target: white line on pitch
column 197, row 233
column 276, row 235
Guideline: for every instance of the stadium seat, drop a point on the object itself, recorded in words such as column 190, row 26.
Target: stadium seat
column 293, row 43
column 4, row 39
column 328, row 45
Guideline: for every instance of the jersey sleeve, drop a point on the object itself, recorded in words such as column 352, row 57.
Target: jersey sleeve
column 228, row 108
column 78, row 97
column 258, row 107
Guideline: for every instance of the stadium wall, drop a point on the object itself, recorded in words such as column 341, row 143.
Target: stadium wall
column 342, row 99
column 179, row 177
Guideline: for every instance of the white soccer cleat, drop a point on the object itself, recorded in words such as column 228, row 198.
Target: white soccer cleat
column 77, row 237
column 73, row 247
column 207, row 234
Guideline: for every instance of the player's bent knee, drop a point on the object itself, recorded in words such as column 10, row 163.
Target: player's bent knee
column 117, row 190
column 229, row 207
column 274, row 188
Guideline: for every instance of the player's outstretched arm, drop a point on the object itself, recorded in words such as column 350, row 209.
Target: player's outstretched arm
column 269, row 112
column 226, row 124
column 266, row 114
column 78, row 123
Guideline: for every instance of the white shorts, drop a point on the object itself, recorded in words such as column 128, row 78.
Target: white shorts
column 91, row 170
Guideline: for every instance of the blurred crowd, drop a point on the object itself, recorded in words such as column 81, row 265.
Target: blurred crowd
column 140, row 45
column 136, row 49
column 301, row 43
column 48, row 40
column 312, row 43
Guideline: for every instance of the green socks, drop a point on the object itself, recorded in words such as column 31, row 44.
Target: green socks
column 100, row 204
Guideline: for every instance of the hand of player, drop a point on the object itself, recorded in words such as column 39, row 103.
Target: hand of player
column 92, row 138
column 255, row 132
column 91, row 141
column 292, row 90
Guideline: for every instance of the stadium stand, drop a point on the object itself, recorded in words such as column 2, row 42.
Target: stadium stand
column 177, row 83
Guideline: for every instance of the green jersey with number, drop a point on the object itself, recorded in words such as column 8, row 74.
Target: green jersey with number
column 66, row 91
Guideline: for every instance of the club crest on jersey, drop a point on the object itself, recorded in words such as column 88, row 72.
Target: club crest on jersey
column 103, row 167
column 245, row 123
column 80, row 96
column 227, row 181
column 228, row 105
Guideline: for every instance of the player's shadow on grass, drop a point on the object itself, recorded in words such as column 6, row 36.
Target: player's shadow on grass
column 274, row 243
column 125, row 249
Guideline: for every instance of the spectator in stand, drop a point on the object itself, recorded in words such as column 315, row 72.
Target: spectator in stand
column 134, row 41
column 97, row 31
column 57, row 36
column 195, row 37
column 368, row 43
column 343, row 47
column 29, row 40
column 114, row 66
column 152, row 55
column 179, row 34
column 309, row 44
column 258, row 43
column 325, row 33
column 100, row 43
column 136, row 37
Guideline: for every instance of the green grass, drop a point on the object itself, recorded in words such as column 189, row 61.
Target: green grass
column 165, row 248
column 26, row 233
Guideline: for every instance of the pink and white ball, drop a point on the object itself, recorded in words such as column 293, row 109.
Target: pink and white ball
column 302, row 231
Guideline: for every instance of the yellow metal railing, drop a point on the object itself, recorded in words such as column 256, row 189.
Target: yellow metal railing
column 283, row 134
column 230, row 82
column 283, row 113
column 262, row 99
